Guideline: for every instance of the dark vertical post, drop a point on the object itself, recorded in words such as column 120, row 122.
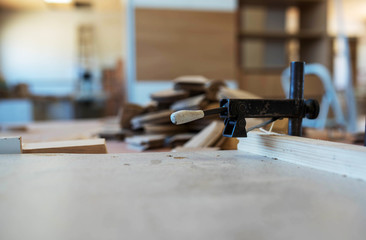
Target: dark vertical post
column 296, row 92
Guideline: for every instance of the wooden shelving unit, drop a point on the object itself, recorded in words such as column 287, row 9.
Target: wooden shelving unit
column 271, row 33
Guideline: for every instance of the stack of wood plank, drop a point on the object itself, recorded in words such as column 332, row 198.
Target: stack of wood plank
column 151, row 127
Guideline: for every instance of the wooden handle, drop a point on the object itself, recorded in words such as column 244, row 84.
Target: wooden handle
column 185, row 116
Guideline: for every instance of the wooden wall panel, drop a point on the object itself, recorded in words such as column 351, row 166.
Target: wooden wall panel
column 171, row 43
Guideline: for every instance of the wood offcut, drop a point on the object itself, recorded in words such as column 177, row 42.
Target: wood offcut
column 334, row 157
column 88, row 146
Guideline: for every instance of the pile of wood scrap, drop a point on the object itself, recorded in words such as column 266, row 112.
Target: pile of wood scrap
column 150, row 126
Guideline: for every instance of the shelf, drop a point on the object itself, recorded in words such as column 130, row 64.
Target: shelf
column 282, row 35
column 265, row 46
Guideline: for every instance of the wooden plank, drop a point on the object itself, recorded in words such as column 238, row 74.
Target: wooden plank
column 207, row 137
column 87, row 146
column 160, row 117
column 164, row 128
column 192, row 103
column 144, row 142
column 333, row 157
column 191, row 84
column 171, row 43
column 169, row 95
column 10, row 145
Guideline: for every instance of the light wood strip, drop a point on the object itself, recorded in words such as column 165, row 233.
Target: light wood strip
column 334, row 157
column 87, row 146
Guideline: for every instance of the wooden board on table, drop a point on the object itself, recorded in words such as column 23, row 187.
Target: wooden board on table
column 87, row 146
column 334, row 157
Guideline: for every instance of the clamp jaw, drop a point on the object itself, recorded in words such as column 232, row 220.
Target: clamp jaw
column 295, row 108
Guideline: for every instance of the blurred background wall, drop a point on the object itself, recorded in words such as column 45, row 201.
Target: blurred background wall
column 40, row 46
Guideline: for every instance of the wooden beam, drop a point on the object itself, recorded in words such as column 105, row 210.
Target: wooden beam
column 87, row 146
column 333, row 157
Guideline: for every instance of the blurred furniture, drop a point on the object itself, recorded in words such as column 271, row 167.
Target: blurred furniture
column 25, row 110
column 270, row 34
column 329, row 99
column 114, row 88
column 16, row 111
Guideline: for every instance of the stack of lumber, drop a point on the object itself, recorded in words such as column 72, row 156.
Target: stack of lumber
column 151, row 126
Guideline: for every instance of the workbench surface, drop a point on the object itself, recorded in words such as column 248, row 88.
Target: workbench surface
column 205, row 195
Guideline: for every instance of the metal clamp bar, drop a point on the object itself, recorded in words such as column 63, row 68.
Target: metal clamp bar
column 296, row 92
